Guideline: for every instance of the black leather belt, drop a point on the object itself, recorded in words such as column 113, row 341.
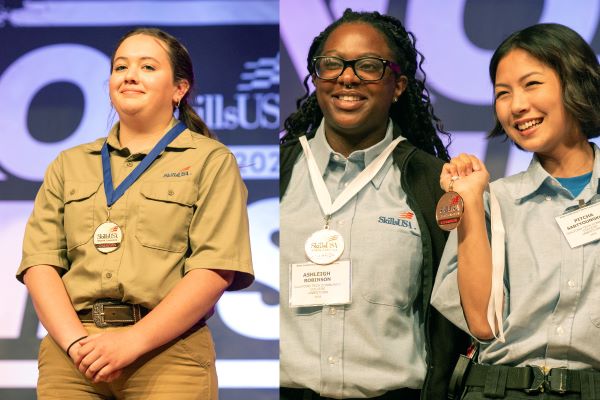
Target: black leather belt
column 107, row 312
column 531, row 379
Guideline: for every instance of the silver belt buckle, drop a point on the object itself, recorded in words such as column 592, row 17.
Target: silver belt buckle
column 98, row 313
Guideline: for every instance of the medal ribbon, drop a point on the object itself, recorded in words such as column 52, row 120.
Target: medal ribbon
column 112, row 195
column 496, row 303
column 353, row 187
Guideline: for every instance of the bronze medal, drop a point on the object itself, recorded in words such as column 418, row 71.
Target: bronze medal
column 449, row 211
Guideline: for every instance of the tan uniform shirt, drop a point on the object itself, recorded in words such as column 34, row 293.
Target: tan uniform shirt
column 186, row 211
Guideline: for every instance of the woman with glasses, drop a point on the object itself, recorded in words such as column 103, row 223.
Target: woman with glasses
column 359, row 245
column 133, row 239
column 532, row 296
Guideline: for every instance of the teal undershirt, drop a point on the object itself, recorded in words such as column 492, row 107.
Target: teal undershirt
column 575, row 184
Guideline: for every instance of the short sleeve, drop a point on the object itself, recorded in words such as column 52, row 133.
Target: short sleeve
column 219, row 231
column 44, row 241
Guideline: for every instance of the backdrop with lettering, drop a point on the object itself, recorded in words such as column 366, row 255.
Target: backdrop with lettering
column 54, row 69
column 457, row 38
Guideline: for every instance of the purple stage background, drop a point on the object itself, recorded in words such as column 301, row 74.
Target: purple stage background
column 54, row 69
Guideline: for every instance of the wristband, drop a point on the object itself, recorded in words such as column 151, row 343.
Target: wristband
column 74, row 341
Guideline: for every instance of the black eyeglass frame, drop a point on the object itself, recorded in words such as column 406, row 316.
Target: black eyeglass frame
column 352, row 63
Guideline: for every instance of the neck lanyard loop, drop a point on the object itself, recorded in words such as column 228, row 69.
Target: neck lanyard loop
column 112, row 195
column 353, row 187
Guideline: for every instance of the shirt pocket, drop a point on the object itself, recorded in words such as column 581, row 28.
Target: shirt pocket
column 79, row 212
column 392, row 269
column 164, row 215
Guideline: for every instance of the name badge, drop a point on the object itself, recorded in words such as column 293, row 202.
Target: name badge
column 581, row 226
column 319, row 285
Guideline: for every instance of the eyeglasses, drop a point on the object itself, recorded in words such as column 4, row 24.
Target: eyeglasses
column 368, row 69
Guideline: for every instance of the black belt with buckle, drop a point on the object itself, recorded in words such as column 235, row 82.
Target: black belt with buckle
column 530, row 379
column 106, row 312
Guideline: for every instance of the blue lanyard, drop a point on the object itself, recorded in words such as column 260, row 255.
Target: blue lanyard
column 112, row 195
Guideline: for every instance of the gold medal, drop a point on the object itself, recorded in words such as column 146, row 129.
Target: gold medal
column 449, row 209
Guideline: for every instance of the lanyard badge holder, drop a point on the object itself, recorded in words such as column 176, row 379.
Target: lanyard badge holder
column 580, row 224
column 326, row 280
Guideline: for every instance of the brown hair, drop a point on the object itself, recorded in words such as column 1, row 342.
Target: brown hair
column 181, row 63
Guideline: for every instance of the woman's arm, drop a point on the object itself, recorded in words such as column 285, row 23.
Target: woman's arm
column 474, row 253
column 53, row 307
column 190, row 300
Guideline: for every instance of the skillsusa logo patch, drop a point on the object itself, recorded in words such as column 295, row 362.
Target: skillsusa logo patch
column 183, row 172
column 403, row 220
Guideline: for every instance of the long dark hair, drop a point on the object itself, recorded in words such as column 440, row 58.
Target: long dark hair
column 181, row 63
column 567, row 53
column 413, row 111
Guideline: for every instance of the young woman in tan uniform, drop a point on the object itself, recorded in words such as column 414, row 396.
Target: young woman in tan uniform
column 133, row 239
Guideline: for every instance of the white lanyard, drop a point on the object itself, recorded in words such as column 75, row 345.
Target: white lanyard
column 353, row 187
column 496, row 302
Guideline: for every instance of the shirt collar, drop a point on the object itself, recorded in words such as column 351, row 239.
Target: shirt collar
column 536, row 176
column 184, row 141
column 324, row 154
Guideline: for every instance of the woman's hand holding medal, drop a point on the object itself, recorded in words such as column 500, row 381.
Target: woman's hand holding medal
column 464, row 177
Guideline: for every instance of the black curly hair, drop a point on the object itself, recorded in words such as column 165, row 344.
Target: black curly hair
column 413, row 111
column 567, row 53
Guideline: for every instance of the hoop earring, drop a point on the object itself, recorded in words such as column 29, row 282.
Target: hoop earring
column 178, row 103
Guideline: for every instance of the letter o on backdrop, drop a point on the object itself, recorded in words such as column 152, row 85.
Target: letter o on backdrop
column 83, row 66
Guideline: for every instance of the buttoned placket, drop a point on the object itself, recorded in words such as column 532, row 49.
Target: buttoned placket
column 333, row 317
column 122, row 163
column 571, row 271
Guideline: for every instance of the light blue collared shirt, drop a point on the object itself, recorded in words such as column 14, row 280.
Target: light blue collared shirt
column 376, row 343
column 552, row 292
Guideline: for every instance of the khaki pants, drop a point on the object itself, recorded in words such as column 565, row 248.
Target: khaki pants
column 181, row 369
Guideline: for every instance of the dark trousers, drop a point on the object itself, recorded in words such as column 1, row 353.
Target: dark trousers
column 307, row 394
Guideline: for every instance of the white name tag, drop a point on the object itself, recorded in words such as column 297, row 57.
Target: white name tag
column 581, row 226
column 319, row 285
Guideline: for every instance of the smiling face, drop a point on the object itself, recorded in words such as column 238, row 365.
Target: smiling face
column 357, row 111
column 141, row 83
column 529, row 105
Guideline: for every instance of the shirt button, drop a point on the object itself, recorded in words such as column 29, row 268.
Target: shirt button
column 559, row 330
column 331, row 359
column 129, row 163
column 346, row 184
column 170, row 193
column 548, row 198
column 72, row 192
column 332, row 311
column 108, row 275
column 571, row 283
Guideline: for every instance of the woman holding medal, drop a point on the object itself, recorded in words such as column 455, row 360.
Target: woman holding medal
column 133, row 239
column 531, row 297
column 359, row 242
